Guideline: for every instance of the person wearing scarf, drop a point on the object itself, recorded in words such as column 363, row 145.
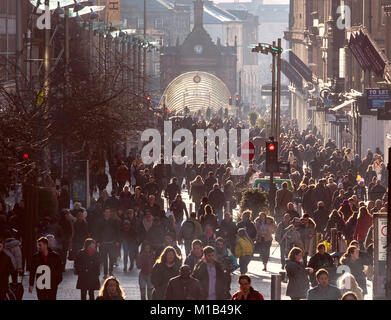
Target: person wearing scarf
column 87, row 267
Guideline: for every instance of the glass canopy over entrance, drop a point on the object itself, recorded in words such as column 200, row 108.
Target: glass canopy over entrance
column 196, row 90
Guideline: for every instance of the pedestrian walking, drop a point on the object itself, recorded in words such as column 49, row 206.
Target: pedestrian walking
column 324, row 290
column 145, row 262
column 6, row 269
column 166, row 267
column 50, row 261
column 265, row 228
column 298, row 283
column 87, row 268
column 246, row 291
column 184, row 286
column 111, row 290
column 243, row 250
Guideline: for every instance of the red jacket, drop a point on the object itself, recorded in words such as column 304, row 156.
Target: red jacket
column 253, row 295
column 362, row 227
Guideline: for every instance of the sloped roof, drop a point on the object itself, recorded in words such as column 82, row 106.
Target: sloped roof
column 216, row 14
column 152, row 5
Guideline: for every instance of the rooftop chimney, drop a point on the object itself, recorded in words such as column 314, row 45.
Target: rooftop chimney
column 198, row 13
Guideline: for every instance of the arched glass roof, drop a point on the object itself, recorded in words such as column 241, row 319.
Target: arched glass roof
column 196, row 90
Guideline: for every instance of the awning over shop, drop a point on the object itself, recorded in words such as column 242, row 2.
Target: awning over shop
column 342, row 105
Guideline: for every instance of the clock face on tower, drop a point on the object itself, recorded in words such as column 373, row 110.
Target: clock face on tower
column 198, row 49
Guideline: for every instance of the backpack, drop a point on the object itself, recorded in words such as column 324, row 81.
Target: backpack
column 188, row 229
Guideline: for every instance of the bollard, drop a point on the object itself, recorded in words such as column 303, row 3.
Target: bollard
column 191, row 208
column 276, row 287
column 228, row 209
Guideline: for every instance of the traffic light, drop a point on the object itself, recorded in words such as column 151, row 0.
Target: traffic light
column 237, row 101
column 148, row 99
column 272, row 156
column 230, row 100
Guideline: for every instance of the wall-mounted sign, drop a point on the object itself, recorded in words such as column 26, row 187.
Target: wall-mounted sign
column 377, row 98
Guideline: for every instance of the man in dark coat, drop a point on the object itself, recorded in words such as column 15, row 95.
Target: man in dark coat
column 283, row 197
column 184, row 286
column 228, row 230
column 151, row 188
column 6, row 269
column 211, row 275
column 108, row 233
column 320, row 217
column 247, row 224
column 210, row 181
column 377, row 191
column 50, row 262
column 217, row 201
column 172, row 190
column 112, row 202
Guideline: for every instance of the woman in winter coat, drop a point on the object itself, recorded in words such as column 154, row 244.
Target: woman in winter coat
column 244, row 249
column 166, row 267
column 111, row 290
column 87, row 267
column 298, row 282
column 364, row 222
column 145, row 262
column 351, row 258
column 265, row 228
column 197, row 191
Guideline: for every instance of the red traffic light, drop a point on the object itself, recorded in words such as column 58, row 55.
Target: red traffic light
column 149, row 98
column 25, row 156
column 271, row 147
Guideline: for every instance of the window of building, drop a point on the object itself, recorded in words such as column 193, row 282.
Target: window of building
column 159, row 23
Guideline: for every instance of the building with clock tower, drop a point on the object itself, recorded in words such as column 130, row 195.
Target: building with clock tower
column 198, row 52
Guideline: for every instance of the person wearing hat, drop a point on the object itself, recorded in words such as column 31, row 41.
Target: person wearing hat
column 184, row 286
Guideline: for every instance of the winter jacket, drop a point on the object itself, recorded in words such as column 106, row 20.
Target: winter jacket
column 53, row 262
column 320, row 217
column 362, row 227
column 266, row 234
column 253, row 295
column 244, row 247
column 298, row 283
column 122, row 174
column 6, row 268
column 108, row 231
column 283, row 197
column 145, row 263
column 12, row 248
column 357, row 270
column 249, row 226
column 183, row 289
column 161, row 275
column 87, row 268
column 328, row 293
column 197, row 191
column 216, row 199
column 201, row 273
column 172, row 190
column 192, row 260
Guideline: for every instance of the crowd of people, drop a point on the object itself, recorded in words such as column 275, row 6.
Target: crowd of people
column 144, row 221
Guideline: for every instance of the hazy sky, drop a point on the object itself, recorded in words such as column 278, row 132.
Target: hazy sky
column 265, row 1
